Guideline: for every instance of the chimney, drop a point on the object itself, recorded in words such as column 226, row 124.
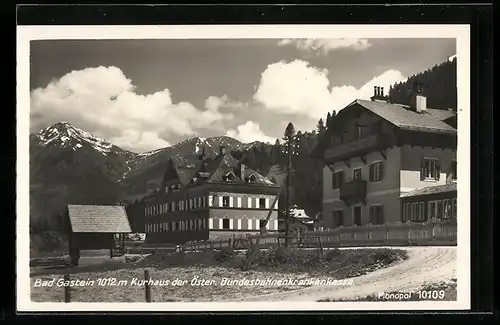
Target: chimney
column 378, row 95
column 418, row 101
column 222, row 150
column 242, row 171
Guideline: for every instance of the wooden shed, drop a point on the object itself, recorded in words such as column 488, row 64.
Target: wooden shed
column 93, row 227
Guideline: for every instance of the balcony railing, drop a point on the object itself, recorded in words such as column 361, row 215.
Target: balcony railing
column 354, row 191
column 356, row 148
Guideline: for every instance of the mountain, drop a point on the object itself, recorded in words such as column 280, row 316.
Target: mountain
column 146, row 169
column 69, row 165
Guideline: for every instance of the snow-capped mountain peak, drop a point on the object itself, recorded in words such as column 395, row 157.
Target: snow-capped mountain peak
column 64, row 134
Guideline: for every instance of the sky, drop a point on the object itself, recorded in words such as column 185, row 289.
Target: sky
column 144, row 95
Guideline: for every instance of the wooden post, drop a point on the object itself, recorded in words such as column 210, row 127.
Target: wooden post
column 146, row 286
column 320, row 245
column 67, row 292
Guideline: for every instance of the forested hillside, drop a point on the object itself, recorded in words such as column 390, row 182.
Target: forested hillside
column 439, row 85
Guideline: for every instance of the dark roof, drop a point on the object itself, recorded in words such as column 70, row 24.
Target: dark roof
column 432, row 190
column 99, row 218
column 194, row 172
column 404, row 118
column 441, row 113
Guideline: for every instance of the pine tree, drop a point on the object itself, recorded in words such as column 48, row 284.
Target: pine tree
column 328, row 119
column 321, row 127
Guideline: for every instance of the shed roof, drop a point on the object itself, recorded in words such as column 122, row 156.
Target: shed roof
column 98, row 219
column 431, row 190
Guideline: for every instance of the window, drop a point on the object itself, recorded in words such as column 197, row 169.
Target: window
column 376, row 215
column 430, row 169
column 190, row 203
column 406, row 212
column 414, row 211
column 435, row 209
column 359, row 131
column 439, row 209
column 225, row 201
column 454, row 208
column 338, row 218
column 376, row 172
column 262, row 223
column 166, row 189
column 229, row 177
column 356, row 174
column 421, row 211
column 337, row 179
column 262, row 203
column 225, row 223
column 446, row 209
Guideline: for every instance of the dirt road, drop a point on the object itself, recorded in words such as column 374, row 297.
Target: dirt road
column 424, row 264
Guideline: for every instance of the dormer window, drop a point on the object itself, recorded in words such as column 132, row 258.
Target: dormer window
column 229, row 177
column 252, row 178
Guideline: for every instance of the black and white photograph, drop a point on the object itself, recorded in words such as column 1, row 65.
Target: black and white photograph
column 278, row 168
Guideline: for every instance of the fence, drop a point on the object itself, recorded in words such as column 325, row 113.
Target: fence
column 434, row 232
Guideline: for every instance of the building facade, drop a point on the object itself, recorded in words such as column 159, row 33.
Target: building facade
column 428, row 203
column 207, row 198
column 375, row 151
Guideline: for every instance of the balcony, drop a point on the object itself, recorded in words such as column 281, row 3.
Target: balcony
column 356, row 148
column 353, row 192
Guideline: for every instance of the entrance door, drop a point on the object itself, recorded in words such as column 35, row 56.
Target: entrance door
column 357, row 215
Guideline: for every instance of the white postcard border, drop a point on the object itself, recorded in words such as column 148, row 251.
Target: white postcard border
column 25, row 34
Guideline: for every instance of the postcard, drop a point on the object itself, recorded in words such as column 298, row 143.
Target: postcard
column 243, row 168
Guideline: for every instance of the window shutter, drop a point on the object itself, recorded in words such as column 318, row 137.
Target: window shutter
column 371, row 169
column 381, row 171
column 423, row 170
column 438, row 170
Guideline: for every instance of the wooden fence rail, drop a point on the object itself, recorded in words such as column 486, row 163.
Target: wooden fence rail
column 435, row 232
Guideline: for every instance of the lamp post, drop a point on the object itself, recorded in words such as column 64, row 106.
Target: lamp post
column 290, row 149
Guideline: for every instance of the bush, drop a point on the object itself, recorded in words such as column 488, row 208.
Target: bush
column 223, row 255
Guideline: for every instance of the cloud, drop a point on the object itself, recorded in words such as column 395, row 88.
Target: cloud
column 103, row 101
column 214, row 103
column 325, row 45
column 249, row 132
column 298, row 88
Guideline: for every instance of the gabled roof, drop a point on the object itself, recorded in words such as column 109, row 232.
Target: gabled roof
column 404, row 118
column 98, row 219
column 225, row 163
column 431, row 190
column 194, row 172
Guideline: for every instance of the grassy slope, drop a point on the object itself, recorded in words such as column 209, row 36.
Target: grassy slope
column 272, row 264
